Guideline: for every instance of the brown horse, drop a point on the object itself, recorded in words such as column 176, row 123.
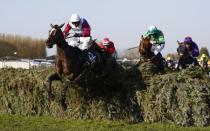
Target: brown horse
column 69, row 60
column 147, row 55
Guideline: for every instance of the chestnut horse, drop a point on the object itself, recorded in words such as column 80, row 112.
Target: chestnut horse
column 185, row 57
column 69, row 60
column 146, row 54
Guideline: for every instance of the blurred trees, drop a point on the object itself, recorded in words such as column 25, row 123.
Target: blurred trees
column 203, row 50
column 7, row 49
column 132, row 53
column 26, row 47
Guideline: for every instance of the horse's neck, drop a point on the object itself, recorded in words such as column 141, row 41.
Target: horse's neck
column 146, row 47
column 62, row 47
column 187, row 52
column 66, row 51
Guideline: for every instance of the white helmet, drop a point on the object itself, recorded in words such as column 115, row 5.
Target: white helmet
column 152, row 28
column 75, row 18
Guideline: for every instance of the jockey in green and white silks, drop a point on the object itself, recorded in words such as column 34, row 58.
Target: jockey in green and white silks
column 157, row 39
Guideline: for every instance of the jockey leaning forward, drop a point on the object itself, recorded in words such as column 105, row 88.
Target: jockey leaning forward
column 157, row 40
column 81, row 35
column 191, row 46
column 109, row 50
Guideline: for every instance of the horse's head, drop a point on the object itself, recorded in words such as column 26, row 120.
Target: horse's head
column 145, row 46
column 93, row 44
column 181, row 50
column 145, row 40
column 55, row 35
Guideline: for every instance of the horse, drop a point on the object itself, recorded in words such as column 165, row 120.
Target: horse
column 185, row 57
column 69, row 60
column 146, row 54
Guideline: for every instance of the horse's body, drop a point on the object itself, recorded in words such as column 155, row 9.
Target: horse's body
column 185, row 57
column 147, row 54
column 69, row 60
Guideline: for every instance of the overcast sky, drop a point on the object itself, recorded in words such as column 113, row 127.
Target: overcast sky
column 123, row 21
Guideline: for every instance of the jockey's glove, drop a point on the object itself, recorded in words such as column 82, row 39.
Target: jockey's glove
column 156, row 52
column 77, row 35
column 65, row 35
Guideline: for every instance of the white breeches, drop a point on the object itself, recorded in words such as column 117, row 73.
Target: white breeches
column 157, row 48
column 81, row 42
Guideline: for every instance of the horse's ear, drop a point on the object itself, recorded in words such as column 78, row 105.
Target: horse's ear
column 60, row 26
column 178, row 42
column 51, row 25
column 142, row 37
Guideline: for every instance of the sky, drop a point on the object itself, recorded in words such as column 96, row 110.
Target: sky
column 123, row 21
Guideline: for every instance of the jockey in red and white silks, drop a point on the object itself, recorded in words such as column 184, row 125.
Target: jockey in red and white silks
column 81, row 32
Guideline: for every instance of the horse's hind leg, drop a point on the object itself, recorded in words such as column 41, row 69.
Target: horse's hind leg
column 51, row 78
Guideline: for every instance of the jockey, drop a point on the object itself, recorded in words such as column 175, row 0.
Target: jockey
column 108, row 46
column 81, row 34
column 157, row 40
column 109, row 49
column 204, row 60
column 192, row 46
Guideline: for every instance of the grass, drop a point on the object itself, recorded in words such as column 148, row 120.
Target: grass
column 31, row 123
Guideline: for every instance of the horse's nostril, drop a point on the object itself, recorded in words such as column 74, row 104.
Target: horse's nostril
column 49, row 46
column 47, row 41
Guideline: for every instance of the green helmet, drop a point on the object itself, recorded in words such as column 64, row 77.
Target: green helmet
column 152, row 29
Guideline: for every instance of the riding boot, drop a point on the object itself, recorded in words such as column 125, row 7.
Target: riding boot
column 86, row 61
column 160, row 58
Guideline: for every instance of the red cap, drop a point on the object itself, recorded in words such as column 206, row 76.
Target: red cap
column 106, row 41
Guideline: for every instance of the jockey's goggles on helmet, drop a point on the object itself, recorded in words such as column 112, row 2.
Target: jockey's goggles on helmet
column 75, row 23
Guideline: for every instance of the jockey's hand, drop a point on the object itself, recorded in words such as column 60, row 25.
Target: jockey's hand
column 66, row 35
column 156, row 52
column 77, row 35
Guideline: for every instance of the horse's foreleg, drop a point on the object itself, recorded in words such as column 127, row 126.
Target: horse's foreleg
column 51, row 78
column 63, row 94
column 178, row 65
